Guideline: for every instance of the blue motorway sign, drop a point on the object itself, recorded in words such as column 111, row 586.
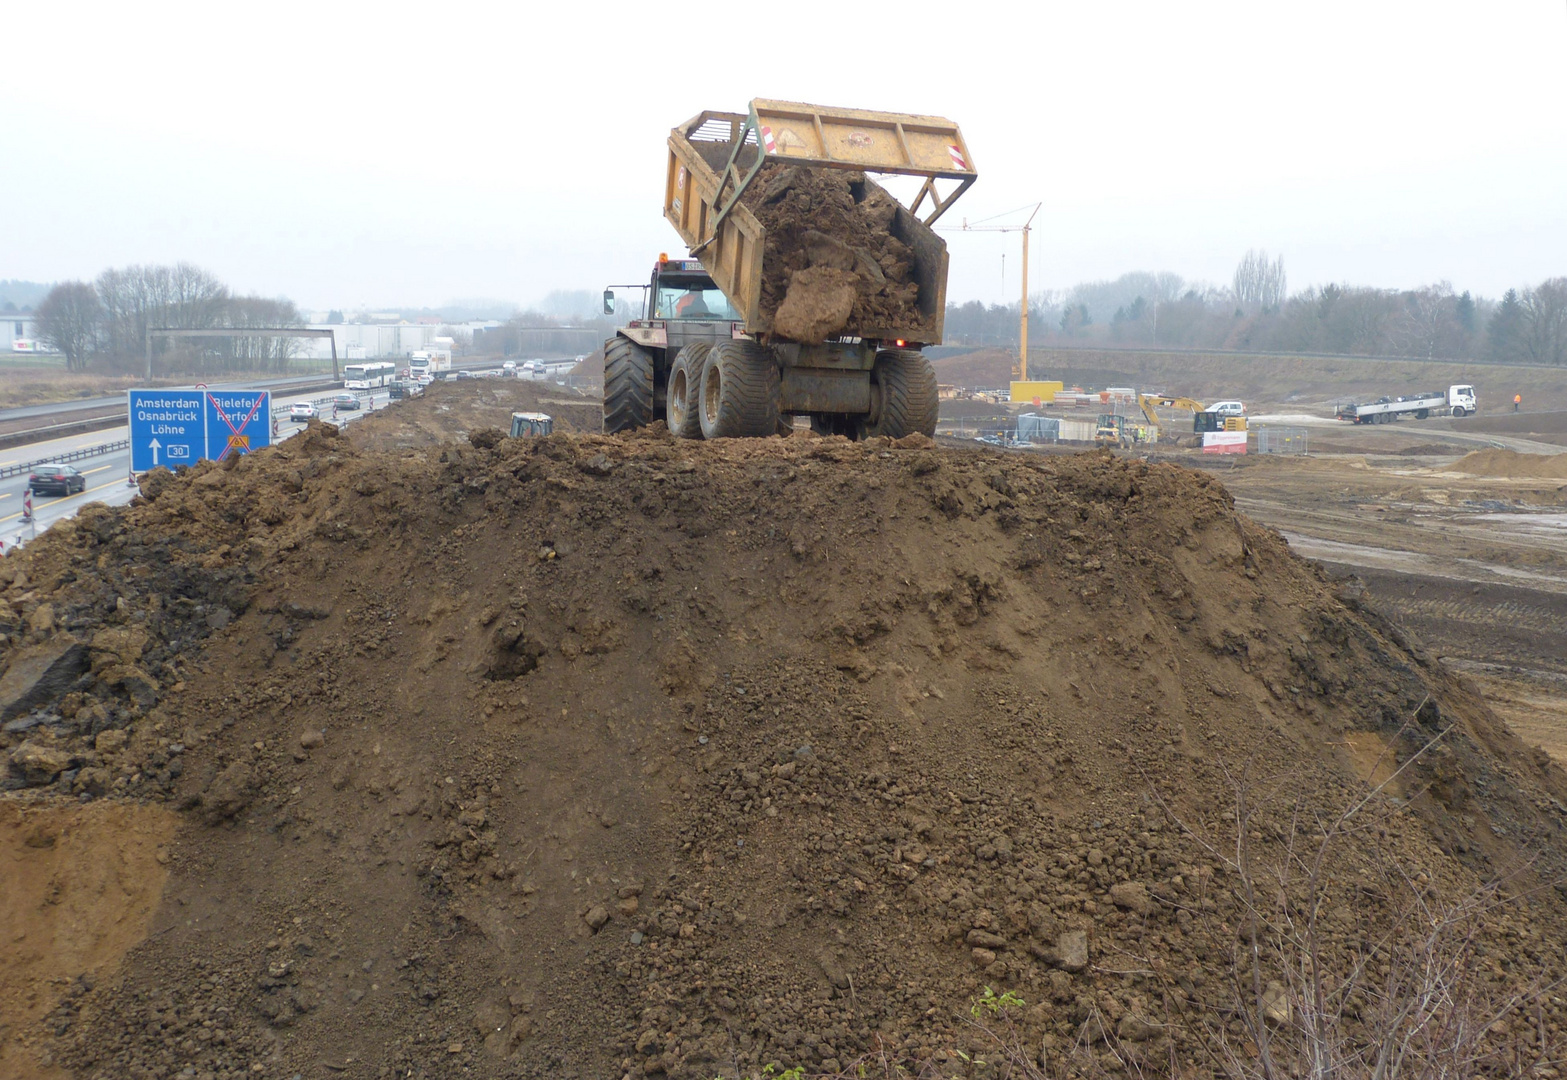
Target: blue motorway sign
column 180, row 427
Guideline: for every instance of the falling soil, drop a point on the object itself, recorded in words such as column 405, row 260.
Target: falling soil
column 832, row 263
column 600, row 756
column 1495, row 461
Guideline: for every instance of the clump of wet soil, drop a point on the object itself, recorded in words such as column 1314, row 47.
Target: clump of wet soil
column 833, row 263
column 597, row 756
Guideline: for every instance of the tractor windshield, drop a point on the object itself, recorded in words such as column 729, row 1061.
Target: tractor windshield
column 692, row 298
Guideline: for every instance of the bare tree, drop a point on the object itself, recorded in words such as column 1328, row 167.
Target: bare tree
column 1259, row 282
column 70, row 320
column 1544, row 322
column 1428, row 326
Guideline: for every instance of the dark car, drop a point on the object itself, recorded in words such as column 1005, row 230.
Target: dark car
column 346, row 402
column 56, row 479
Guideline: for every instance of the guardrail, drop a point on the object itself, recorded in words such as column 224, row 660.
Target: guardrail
column 69, row 455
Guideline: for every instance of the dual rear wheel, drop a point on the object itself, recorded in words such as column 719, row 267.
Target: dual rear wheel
column 723, row 391
column 732, row 390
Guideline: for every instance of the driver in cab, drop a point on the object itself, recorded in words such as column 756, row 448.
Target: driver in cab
column 692, row 306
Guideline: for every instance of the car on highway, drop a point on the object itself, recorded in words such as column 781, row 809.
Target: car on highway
column 347, row 402
column 301, row 411
column 55, row 479
column 462, row 375
column 1227, row 408
column 510, row 365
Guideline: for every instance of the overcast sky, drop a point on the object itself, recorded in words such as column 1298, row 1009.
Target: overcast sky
column 407, row 154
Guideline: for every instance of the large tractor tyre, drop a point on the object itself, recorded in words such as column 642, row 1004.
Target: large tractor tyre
column 739, row 391
column 904, row 399
column 628, row 385
column 683, row 395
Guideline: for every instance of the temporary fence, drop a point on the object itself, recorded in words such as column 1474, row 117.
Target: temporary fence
column 1033, row 428
column 1077, row 430
column 1272, row 439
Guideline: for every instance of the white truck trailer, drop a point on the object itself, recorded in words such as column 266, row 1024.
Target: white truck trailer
column 425, row 365
column 1459, row 400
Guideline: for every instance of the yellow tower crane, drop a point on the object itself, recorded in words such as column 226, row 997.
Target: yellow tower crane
column 1020, row 389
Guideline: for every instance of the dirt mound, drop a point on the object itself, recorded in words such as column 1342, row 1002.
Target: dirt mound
column 833, row 263
column 452, row 410
column 81, row 885
column 1496, row 461
column 589, row 756
column 980, row 368
column 592, row 365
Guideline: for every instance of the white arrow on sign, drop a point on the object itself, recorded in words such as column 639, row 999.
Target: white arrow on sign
column 156, row 446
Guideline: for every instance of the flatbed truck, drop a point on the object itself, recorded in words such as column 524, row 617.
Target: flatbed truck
column 1459, row 400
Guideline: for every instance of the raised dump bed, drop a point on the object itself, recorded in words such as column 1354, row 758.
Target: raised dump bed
column 811, row 288
column 746, row 192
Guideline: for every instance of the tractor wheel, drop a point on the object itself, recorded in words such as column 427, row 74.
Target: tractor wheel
column 903, row 396
column 628, row 385
column 683, row 396
column 739, row 391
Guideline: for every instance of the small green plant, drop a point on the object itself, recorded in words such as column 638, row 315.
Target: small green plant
column 993, row 1003
column 770, row 1072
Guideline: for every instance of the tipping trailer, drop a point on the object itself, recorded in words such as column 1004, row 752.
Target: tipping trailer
column 705, row 355
column 1459, row 400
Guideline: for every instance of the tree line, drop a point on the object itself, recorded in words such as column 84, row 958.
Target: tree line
column 103, row 324
column 1255, row 313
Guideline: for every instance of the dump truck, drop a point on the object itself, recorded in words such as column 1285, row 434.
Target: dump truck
column 710, row 353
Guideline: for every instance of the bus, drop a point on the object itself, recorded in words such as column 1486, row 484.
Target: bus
column 368, row 376
column 537, row 370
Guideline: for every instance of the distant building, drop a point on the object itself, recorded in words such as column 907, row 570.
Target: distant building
column 19, row 333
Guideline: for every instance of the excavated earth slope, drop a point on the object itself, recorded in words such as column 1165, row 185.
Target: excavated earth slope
column 593, row 757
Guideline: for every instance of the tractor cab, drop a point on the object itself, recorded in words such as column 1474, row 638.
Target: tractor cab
column 682, row 306
column 679, row 289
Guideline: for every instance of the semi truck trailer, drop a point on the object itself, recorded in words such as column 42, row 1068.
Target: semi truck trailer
column 1459, row 400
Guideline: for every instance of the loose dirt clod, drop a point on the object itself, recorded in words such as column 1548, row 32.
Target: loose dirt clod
column 833, row 264
column 659, row 757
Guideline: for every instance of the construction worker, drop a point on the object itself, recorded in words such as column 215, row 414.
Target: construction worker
column 1517, row 401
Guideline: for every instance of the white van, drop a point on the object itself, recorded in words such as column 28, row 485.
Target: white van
column 1227, row 408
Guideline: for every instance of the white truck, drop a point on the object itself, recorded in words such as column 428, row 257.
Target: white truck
column 1459, row 400
column 426, row 364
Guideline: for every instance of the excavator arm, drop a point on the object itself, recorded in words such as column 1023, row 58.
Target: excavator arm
column 1147, row 402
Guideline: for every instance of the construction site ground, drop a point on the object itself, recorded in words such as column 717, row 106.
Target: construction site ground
column 1476, row 563
column 412, row 750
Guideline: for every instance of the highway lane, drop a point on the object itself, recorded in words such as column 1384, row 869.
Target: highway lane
column 23, row 412
column 79, row 405
column 107, row 474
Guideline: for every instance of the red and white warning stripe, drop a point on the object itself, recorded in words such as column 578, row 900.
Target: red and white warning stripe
column 767, row 141
column 957, row 156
